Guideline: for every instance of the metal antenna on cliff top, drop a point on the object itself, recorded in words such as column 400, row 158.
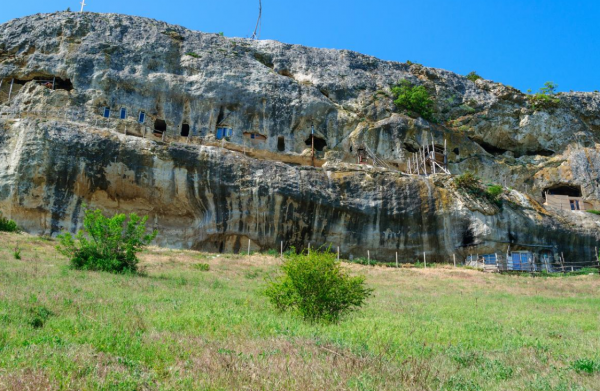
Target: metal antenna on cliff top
column 256, row 33
column 83, row 4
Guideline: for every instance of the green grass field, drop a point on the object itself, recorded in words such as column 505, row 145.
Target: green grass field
column 182, row 328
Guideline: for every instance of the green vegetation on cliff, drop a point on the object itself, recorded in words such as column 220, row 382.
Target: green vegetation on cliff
column 415, row 99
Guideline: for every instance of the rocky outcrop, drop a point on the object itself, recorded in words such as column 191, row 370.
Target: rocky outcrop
column 58, row 153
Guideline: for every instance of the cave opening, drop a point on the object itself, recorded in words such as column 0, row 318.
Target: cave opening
column 160, row 125
column 540, row 152
column 320, row 143
column 491, row 149
column 563, row 189
column 280, row 143
column 185, row 130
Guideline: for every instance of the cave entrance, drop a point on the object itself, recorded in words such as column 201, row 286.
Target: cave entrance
column 320, row 143
column 280, row 143
column 185, row 130
column 491, row 149
column 564, row 190
column 160, row 125
column 55, row 83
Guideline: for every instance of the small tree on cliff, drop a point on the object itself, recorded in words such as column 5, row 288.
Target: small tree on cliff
column 107, row 244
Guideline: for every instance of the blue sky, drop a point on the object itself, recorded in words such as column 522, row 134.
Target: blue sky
column 520, row 43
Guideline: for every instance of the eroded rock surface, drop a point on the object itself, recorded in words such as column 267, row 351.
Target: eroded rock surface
column 58, row 154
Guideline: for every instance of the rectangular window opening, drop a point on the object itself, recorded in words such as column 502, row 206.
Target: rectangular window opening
column 107, row 112
column 123, row 113
column 142, row 117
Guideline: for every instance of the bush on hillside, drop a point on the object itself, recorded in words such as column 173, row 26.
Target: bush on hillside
column 413, row 98
column 7, row 225
column 317, row 287
column 107, row 244
column 473, row 76
column 546, row 98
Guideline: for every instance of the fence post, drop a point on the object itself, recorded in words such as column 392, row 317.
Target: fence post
column 454, row 258
column 424, row 260
column 10, row 91
column 308, row 248
column 282, row 249
column 248, row 247
column 338, row 258
column 396, row 259
column 368, row 257
column 562, row 261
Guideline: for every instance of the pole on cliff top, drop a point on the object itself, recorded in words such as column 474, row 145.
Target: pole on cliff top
column 424, row 260
column 396, row 259
column 248, row 247
column 83, row 4
column 256, row 33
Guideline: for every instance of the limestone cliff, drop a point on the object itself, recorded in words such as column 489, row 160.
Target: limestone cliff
column 169, row 90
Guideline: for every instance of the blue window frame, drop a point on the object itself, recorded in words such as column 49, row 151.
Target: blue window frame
column 107, row 112
column 142, row 117
column 489, row 259
column 520, row 260
column 224, row 132
column 123, row 113
column 252, row 135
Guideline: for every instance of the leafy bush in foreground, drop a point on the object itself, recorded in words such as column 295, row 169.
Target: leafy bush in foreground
column 317, row 287
column 593, row 211
column 106, row 244
column 7, row 225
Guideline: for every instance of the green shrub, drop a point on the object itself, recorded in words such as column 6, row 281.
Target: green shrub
column 546, row 98
column 586, row 365
column 467, row 181
column 17, row 252
column 316, row 287
column 38, row 316
column 203, row 267
column 193, row 54
column 472, row 185
column 473, row 76
column 593, row 211
column 413, row 98
column 106, row 244
column 7, row 225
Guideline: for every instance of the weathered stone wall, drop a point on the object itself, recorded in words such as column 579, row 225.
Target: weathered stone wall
column 210, row 197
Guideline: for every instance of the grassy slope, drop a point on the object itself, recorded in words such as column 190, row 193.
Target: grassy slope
column 181, row 328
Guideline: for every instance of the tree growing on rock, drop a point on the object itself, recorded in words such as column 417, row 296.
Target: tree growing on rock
column 413, row 98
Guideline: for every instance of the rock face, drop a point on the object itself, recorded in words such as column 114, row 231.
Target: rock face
column 58, row 152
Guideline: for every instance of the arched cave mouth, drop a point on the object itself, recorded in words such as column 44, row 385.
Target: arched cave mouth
column 160, row 125
column 320, row 143
column 563, row 189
